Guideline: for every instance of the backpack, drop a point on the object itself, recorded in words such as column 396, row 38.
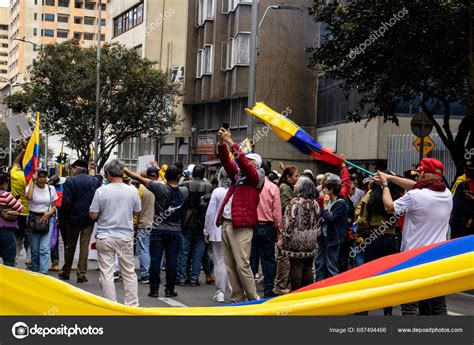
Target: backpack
column 195, row 214
column 174, row 208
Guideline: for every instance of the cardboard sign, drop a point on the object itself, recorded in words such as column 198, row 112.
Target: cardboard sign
column 18, row 127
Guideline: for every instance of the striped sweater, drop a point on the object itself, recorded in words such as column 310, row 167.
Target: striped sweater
column 8, row 201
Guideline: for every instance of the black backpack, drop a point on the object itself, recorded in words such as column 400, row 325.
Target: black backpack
column 195, row 214
column 174, row 209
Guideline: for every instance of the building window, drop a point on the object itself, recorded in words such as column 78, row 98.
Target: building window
column 89, row 5
column 89, row 20
column 78, row 36
column 35, row 16
column 237, row 52
column 231, row 5
column 102, row 37
column 104, row 7
column 224, row 56
column 63, row 33
column 63, row 3
column 35, row 32
column 63, row 18
column 4, row 37
column 88, row 36
column 128, row 19
column 204, row 61
column 48, row 2
column 77, row 20
column 48, row 33
column 3, row 27
column 78, row 4
column 48, row 17
column 205, row 11
column 103, row 22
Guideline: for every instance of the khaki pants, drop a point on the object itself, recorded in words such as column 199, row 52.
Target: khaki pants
column 73, row 233
column 237, row 245
column 282, row 272
column 107, row 249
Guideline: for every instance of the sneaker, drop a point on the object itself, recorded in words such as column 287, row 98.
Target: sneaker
column 170, row 294
column 218, row 297
column 279, row 291
column 55, row 267
column 144, row 280
column 195, row 284
column 63, row 276
column 154, row 294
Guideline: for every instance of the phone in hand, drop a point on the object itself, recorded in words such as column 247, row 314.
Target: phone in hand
column 225, row 125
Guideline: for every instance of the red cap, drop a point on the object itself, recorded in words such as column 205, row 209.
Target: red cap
column 432, row 166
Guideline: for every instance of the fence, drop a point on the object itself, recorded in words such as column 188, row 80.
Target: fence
column 403, row 156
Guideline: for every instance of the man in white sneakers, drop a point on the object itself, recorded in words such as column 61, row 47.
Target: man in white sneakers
column 427, row 206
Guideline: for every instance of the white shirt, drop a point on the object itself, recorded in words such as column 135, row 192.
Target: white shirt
column 426, row 217
column 41, row 200
column 227, row 211
column 115, row 203
column 210, row 227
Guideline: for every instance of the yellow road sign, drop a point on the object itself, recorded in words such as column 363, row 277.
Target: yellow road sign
column 428, row 145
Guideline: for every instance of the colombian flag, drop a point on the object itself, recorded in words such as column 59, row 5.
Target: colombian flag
column 31, row 157
column 293, row 134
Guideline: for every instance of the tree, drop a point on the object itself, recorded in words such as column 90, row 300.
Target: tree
column 136, row 98
column 392, row 51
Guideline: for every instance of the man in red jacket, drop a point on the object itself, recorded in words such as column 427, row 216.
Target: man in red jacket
column 238, row 215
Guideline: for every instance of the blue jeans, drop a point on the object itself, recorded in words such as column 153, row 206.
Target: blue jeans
column 7, row 246
column 194, row 245
column 143, row 239
column 168, row 242
column 40, row 250
column 326, row 260
column 263, row 247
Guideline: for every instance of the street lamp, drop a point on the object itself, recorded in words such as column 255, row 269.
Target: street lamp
column 254, row 51
column 35, row 46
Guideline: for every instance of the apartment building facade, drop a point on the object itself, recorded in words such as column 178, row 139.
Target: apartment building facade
column 39, row 22
column 217, row 72
column 4, row 24
column 157, row 30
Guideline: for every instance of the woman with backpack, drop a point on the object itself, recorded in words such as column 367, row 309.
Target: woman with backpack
column 10, row 209
column 42, row 200
column 212, row 234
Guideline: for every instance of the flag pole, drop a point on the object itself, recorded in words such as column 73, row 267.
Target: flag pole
column 370, row 173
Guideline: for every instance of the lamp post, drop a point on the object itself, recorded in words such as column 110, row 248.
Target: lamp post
column 97, row 90
column 254, row 50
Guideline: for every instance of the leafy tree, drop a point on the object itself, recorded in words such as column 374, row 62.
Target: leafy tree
column 392, row 51
column 136, row 98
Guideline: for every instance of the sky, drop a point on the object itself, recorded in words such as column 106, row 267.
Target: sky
column 4, row 3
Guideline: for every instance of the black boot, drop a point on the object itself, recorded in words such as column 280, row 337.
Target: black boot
column 153, row 293
column 170, row 293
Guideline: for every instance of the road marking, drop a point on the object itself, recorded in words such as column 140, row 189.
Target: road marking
column 454, row 314
column 465, row 294
column 172, row 302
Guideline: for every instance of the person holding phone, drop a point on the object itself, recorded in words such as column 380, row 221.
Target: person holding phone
column 238, row 214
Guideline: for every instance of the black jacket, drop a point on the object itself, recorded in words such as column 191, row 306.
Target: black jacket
column 78, row 193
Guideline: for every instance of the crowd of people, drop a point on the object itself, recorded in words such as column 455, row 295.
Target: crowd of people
column 282, row 229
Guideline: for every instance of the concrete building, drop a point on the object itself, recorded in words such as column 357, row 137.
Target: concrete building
column 157, row 30
column 38, row 22
column 217, row 72
column 4, row 24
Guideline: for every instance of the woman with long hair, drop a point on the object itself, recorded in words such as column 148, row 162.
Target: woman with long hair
column 375, row 223
column 299, row 233
column 286, row 183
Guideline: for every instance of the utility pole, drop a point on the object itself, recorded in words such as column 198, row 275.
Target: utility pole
column 97, row 91
column 253, row 65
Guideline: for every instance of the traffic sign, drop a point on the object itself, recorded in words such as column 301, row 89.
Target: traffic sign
column 428, row 145
column 421, row 125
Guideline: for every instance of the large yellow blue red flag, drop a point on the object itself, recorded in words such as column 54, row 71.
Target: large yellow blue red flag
column 32, row 154
column 293, row 134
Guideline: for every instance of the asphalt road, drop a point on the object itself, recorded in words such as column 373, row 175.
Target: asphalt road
column 458, row 304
